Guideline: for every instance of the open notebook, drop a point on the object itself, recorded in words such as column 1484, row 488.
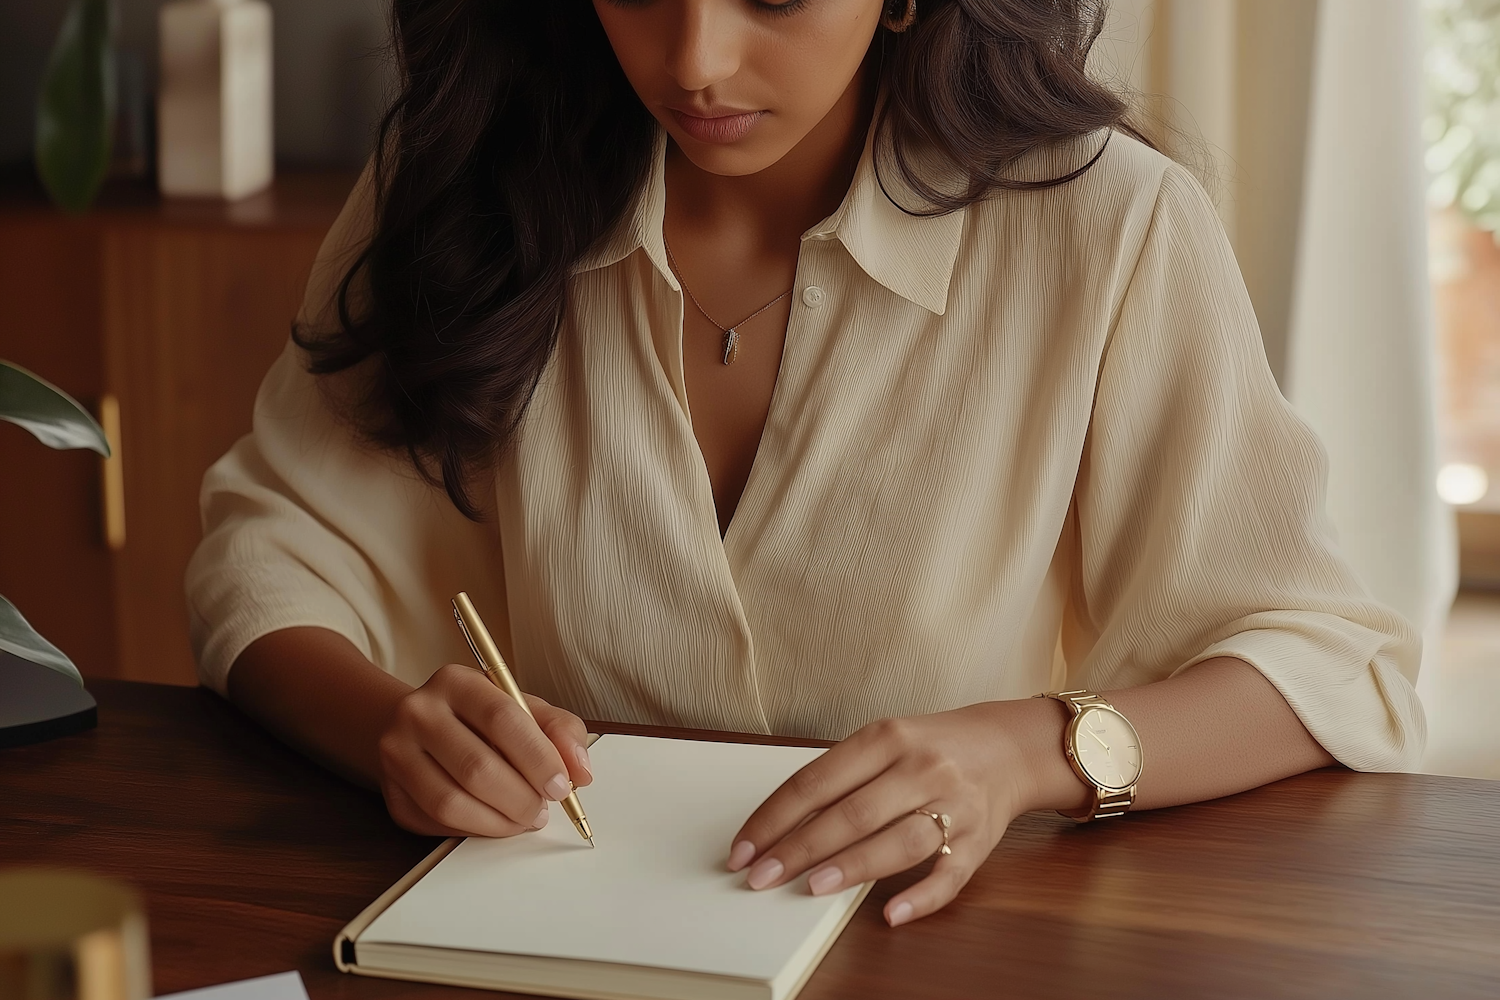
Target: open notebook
column 651, row 914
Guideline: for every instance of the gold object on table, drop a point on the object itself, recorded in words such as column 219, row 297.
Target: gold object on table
column 493, row 665
column 71, row 936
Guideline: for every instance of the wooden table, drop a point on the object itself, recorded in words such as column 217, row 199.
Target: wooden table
column 1329, row 884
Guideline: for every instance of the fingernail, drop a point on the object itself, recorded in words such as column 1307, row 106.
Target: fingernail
column 765, row 873
column 825, row 880
column 541, row 818
column 900, row 914
column 557, row 787
column 582, row 755
column 740, row 855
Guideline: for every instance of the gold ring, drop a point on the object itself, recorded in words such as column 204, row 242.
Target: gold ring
column 944, row 822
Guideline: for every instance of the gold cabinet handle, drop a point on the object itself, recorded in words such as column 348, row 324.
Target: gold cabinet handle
column 114, row 474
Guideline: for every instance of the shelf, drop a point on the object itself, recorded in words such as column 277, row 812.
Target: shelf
column 300, row 199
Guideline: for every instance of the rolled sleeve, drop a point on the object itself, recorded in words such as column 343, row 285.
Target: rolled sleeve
column 1200, row 512
column 306, row 526
column 265, row 564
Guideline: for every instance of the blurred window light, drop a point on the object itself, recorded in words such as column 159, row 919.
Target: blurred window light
column 1460, row 483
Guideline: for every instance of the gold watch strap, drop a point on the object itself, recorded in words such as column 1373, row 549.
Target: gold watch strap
column 1080, row 700
column 1108, row 802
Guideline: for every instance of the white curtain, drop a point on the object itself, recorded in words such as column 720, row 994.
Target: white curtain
column 1310, row 111
column 1360, row 353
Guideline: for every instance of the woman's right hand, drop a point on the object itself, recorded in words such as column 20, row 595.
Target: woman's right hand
column 459, row 757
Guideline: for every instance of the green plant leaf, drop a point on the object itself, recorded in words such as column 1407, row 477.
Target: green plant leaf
column 18, row 638
column 75, row 114
column 57, row 419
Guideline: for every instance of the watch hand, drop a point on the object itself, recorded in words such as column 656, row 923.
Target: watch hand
column 1097, row 739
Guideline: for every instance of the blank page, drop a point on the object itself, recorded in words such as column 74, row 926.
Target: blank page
column 654, row 892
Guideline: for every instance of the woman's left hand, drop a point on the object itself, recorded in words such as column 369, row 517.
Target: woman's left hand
column 848, row 817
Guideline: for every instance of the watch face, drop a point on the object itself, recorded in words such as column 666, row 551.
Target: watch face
column 1107, row 748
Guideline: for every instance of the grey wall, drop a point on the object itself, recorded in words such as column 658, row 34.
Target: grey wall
column 333, row 73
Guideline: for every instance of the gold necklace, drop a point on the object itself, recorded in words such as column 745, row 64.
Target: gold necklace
column 731, row 333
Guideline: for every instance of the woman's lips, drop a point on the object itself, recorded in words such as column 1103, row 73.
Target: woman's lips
column 723, row 129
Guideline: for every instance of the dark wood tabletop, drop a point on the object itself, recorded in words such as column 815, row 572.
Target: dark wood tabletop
column 1330, row 884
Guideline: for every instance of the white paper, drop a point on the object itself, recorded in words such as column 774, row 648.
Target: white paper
column 282, row 986
column 655, row 891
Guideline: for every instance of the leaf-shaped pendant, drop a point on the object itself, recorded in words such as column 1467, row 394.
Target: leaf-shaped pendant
column 731, row 345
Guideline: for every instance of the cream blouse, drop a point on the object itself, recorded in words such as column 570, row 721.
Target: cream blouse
column 1028, row 445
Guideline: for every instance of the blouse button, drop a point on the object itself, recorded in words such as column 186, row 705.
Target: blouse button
column 813, row 296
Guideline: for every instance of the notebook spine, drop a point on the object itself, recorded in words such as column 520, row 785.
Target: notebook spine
column 344, row 955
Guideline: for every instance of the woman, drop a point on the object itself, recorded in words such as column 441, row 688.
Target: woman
column 992, row 419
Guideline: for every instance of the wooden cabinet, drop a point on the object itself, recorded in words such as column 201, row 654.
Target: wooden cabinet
column 176, row 309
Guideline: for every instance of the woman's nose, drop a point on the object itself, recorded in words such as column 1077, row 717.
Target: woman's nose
column 707, row 43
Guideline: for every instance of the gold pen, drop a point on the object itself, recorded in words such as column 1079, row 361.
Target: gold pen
column 493, row 665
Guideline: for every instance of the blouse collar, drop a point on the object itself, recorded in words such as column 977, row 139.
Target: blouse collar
column 913, row 256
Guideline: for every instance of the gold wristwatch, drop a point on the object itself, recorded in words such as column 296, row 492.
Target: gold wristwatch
column 1103, row 750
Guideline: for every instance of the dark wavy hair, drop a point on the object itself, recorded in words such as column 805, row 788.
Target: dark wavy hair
column 516, row 142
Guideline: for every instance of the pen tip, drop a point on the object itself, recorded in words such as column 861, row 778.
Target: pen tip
column 591, row 841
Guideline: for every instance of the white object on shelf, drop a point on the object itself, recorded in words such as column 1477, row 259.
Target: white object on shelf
column 214, row 115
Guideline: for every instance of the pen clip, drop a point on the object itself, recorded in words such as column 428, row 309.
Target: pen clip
column 463, row 627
